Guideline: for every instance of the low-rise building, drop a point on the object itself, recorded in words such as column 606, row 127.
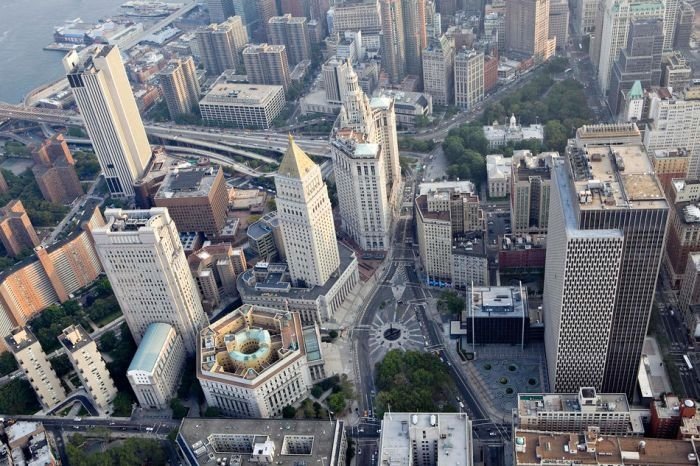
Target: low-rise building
column 90, row 367
column 496, row 315
column 257, row 360
column 156, row 369
column 574, row 412
column 498, row 173
column 500, row 135
column 667, row 414
column 426, row 439
column 243, row 105
column 284, row 442
column 522, row 253
column 410, row 107
column 265, row 238
column 27, row 444
column 590, row 448
column 670, row 165
column 214, row 270
column 270, row 285
column 33, row 361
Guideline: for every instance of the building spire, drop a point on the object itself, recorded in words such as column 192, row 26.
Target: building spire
column 295, row 163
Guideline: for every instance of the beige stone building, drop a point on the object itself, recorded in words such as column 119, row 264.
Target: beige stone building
column 214, row 270
column 527, row 28
column 438, row 70
column 156, row 369
column 531, row 182
column 469, row 78
column 180, row 87
column 293, row 33
column 220, row 45
column 33, row 361
column 559, row 22
column 267, row 64
column 91, row 368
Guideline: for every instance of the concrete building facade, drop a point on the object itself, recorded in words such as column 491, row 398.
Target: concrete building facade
column 220, row 45
column 16, row 230
column 267, row 64
column 393, row 39
column 438, row 70
column 54, row 171
column 180, row 87
column 530, row 191
column 293, row 33
column 469, row 78
column 243, row 105
column 143, row 258
column 527, row 28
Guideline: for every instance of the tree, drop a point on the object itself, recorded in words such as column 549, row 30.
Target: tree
column 17, row 397
column 8, row 363
column 451, row 302
column 336, row 402
column 179, row 410
column 123, row 405
column 61, row 365
column 555, row 137
column 289, row 412
column 333, row 334
column 108, row 341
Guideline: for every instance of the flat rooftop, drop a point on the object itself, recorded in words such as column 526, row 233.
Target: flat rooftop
column 533, row 403
column 296, row 442
column 498, row 301
column 446, row 186
column 536, row 448
column 241, row 94
column 20, row 338
column 74, row 338
column 452, row 431
column 616, row 177
column 188, row 182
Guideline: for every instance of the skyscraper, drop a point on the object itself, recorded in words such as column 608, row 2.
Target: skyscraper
column 266, row 9
column 306, row 217
column 612, row 29
column 180, row 86
column 293, row 33
column 220, row 45
column 469, row 78
column 220, row 10
column 639, row 61
column 559, row 22
column 335, row 75
column 438, row 70
column 414, row 28
column 607, row 229
column 670, row 23
column 267, row 64
column 144, row 260
column 112, row 120
column 393, row 42
column 527, row 28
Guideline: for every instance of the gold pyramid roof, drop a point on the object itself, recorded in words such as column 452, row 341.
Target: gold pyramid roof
column 295, row 163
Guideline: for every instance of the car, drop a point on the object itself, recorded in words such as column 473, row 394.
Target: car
column 149, row 429
column 77, row 419
column 493, row 433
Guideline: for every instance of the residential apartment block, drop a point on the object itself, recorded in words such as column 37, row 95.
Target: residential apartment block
column 530, row 191
column 16, row 230
column 54, row 171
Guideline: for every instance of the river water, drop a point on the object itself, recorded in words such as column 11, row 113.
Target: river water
column 26, row 26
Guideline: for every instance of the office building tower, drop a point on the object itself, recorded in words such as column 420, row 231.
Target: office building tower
column 220, row 10
column 306, row 218
column 54, row 171
column 684, row 25
column 559, row 22
column 673, row 123
column 607, row 226
column 469, row 78
column 415, row 35
column 267, row 64
column 424, row 439
column 156, row 369
column 214, row 270
column 32, row 360
column 448, row 7
column 256, row 360
column 112, row 120
column 632, row 104
column 639, row 61
column 16, row 230
column 143, row 258
column 196, row 199
column 527, row 28
column 357, row 16
column 248, row 11
column 266, row 9
column 530, row 191
column 676, row 73
column 91, row 368
column 670, row 23
column 293, row 33
column 296, row 8
column 335, row 74
column 612, row 29
column 433, row 24
column 574, row 412
column 180, row 87
column 438, row 70
column 220, row 45
column 683, row 238
column 243, row 105
column 265, row 238
column 689, row 294
column 584, row 16
column 393, row 42
column 359, row 169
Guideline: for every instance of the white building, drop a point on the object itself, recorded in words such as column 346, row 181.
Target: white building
column 501, row 135
column 90, row 367
column 156, row 369
column 335, row 76
column 425, row 439
column 674, row 123
column 614, row 18
column 438, row 70
column 36, row 366
column 498, row 172
column 143, row 258
column 530, row 191
column 360, row 178
column 306, row 217
column 243, row 105
column 469, row 78
column 257, row 360
column 112, row 119
column 633, row 104
column 584, row 12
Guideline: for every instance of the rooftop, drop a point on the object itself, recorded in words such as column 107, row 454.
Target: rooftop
column 20, row 338
column 451, row 431
column 532, row 404
column 295, row 163
column 241, row 442
column 188, row 182
column 457, row 187
column 497, row 301
column 74, row 338
column 233, row 93
column 537, row 448
column 150, row 347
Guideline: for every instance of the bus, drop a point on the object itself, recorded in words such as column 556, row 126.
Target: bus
column 687, row 362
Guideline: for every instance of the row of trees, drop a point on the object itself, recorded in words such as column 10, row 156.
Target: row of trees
column 414, row 381
column 465, row 148
column 129, row 452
